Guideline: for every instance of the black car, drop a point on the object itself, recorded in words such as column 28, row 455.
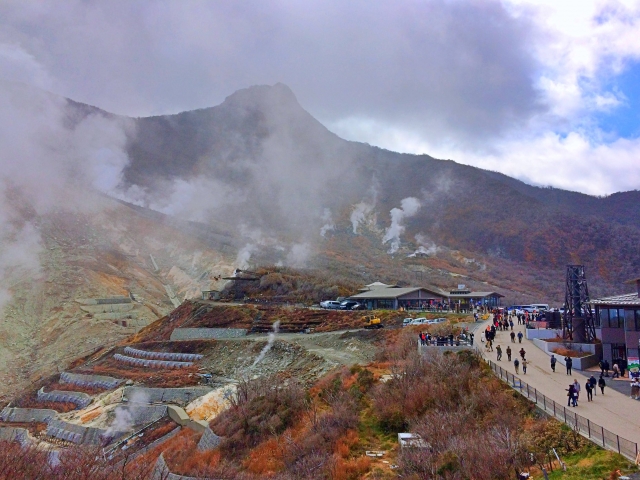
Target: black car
column 351, row 305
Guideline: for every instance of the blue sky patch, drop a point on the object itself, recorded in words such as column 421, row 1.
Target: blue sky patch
column 623, row 121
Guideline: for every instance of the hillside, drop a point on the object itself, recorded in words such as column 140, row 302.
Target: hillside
column 259, row 160
column 56, row 314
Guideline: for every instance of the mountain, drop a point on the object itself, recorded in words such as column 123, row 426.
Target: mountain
column 280, row 170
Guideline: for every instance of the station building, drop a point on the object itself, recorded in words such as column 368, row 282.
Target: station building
column 380, row 295
column 617, row 321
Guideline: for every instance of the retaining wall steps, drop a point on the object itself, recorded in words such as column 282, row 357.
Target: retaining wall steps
column 143, row 362
column 99, row 381
column 189, row 357
column 79, row 399
column 207, row 333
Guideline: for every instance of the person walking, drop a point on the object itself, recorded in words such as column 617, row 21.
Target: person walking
column 522, row 353
column 589, row 390
column 511, row 324
column 602, row 384
column 606, row 368
column 594, row 383
column 508, row 353
column 499, row 352
column 553, row 363
column 601, row 365
column 568, row 362
column 520, row 337
column 516, row 365
column 524, row 365
column 616, row 371
column 513, row 337
column 576, row 388
column 571, row 392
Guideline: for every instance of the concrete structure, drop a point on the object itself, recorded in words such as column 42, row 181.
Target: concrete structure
column 179, row 416
column 141, row 414
column 209, row 440
column 100, row 381
column 179, row 396
column 161, row 472
column 182, row 357
column 206, row 333
column 618, row 325
column 143, row 362
column 79, row 399
column 15, row 434
column 27, row 415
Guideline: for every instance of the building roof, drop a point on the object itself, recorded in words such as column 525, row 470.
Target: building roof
column 376, row 285
column 393, row 292
column 630, row 299
column 475, row 295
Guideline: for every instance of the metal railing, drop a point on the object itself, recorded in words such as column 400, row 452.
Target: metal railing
column 594, row 432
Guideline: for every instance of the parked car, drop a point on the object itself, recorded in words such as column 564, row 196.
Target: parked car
column 351, row 305
column 433, row 321
column 407, row 321
column 330, row 304
column 418, row 321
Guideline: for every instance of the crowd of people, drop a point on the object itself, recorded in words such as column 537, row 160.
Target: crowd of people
column 504, row 322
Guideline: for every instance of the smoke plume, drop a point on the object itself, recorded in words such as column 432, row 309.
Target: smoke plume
column 408, row 208
column 270, row 340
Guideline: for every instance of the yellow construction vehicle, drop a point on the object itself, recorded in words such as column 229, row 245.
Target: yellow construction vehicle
column 371, row 321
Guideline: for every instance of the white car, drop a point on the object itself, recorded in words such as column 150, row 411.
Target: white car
column 330, row 304
column 418, row 321
column 407, row 321
column 436, row 320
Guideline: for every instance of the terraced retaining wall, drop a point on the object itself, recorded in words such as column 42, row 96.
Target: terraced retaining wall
column 180, row 396
column 100, row 381
column 79, row 399
column 15, row 434
column 26, row 415
column 209, row 440
column 161, row 472
column 143, row 362
column 189, row 357
column 79, row 434
column 207, row 333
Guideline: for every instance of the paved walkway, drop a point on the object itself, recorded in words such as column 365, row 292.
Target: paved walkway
column 614, row 411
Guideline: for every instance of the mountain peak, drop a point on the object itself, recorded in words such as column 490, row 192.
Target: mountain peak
column 265, row 95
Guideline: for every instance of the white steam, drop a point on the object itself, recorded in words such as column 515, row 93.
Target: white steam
column 408, row 208
column 244, row 255
column 49, row 158
column 270, row 340
column 360, row 214
column 426, row 246
column 124, row 416
column 298, row 255
column 328, row 222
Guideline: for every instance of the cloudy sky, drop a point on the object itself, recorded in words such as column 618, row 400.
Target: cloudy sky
column 547, row 91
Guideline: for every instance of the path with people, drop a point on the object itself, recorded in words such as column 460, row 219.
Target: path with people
column 615, row 411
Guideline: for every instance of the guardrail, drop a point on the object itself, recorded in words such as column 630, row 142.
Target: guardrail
column 594, row 432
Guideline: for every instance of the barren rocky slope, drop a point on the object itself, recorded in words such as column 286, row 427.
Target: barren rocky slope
column 52, row 316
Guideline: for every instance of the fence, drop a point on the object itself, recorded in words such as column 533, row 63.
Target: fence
column 594, row 432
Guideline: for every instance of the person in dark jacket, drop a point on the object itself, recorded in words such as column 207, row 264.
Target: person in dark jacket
column 520, row 337
column 516, row 365
column 568, row 362
column 508, row 353
column 602, row 384
column 588, row 389
column 553, row 363
column 594, row 383
column 571, row 396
